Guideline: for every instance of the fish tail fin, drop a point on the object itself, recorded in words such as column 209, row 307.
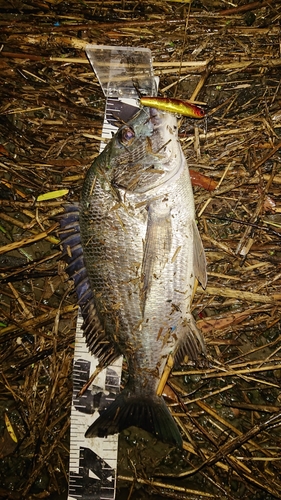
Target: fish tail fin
column 129, row 409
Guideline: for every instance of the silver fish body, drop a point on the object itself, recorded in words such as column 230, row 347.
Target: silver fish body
column 136, row 264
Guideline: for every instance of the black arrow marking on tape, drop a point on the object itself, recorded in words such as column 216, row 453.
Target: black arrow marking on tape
column 94, row 398
column 84, row 485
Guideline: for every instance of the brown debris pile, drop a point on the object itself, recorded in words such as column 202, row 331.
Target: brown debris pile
column 223, row 54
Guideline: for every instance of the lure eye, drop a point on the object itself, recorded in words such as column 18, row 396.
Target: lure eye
column 200, row 112
column 126, row 136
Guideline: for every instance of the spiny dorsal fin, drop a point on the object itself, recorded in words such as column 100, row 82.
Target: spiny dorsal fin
column 96, row 339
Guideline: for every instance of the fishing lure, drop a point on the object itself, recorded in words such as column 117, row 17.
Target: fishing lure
column 178, row 106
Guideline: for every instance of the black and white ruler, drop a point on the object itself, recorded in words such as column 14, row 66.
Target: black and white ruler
column 123, row 72
column 92, row 467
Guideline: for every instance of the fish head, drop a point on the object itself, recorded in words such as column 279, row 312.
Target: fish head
column 145, row 152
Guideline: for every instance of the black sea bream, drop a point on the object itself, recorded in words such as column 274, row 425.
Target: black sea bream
column 134, row 251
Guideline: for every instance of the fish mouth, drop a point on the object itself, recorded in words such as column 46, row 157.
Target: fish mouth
column 157, row 117
column 164, row 124
column 163, row 156
column 165, row 134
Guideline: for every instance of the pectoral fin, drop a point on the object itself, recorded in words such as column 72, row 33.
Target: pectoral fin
column 199, row 257
column 157, row 247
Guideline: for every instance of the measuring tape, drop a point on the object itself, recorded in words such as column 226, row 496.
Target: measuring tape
column 92, row 467
column 93, row 461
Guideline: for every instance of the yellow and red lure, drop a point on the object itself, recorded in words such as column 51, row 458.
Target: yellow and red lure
column 171, row 105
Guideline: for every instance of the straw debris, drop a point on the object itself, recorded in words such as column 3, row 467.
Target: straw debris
column 223, row 54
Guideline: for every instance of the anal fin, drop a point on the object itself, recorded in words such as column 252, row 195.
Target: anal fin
column 192, row 343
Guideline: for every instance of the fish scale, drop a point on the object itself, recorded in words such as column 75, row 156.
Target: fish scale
column 138, row 258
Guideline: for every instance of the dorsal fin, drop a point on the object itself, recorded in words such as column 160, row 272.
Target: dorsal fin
column 97, row 341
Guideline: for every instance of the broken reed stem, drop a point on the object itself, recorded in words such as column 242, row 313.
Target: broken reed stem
column 231, row 445
column 207, row 396
column 31, row 204
column 158, row 484
column 166, row 373
column 12, row 330
column 25, row 226
column 27, row 241
column 227, row 372
column 228, row 425
column 245, row 8
column 39, row 465
column 27, row 313
column 90, row 381
column 242, row 295
column 31, row 265
column 166, row 67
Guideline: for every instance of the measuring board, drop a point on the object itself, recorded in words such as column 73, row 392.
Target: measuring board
column 92, row 467
column 122, row 73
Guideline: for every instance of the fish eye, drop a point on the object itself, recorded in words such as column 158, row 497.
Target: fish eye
column 126, row 136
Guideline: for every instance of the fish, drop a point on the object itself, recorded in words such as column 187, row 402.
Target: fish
column 134, row 252
column 172, row 105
